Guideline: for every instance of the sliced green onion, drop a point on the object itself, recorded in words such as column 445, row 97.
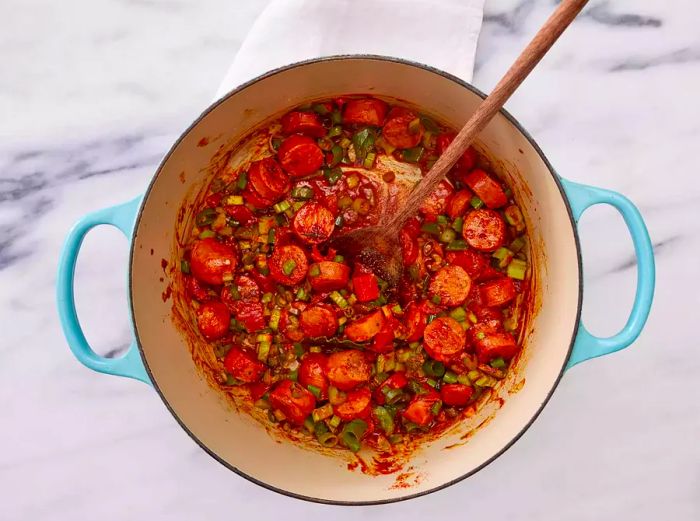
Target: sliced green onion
column 334, row 422
column 271, row 236
column 184, row 266
column 333, row 175
column 352, row 181
column 434, row 368
column 339, row 300
column 516, row 269
column 369, row 160
column 432, row 383
column 267, row 297
column 352, row 434
column 276, row 143
column 498, row 363
column 323, row 412
column 302, row 192
column 502, row 253
column 386, row 422
column 301, row 294
column 448, row 236
column 414, row 126
column 449, row 377
column 436, row 300
column 473, row 375
column 457, row 245
column 435, row 409
column 233, row 200
column 205, row 217
column 431, row 228
column 337, row 153
column 517, row 244
column 242, row 180
column 314, row 271
column 263, row 351
column 207, row 234
column 476, row 203
column 336, row 117
column 458, row 224
column 338, row 258
column 429, row 124
column 396, row 308
column 274, row 319
column 514, row 217
column 320, row 108
column 293, row 375
column 335, row 130
column 412, row 155
column 317, row 393
column 442, row 219
column 288, row 266
column 463, row 379
column 282, row 206
column 459, row 314
column 309, row 424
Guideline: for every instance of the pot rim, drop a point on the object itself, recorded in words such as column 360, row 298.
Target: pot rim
column 465, row 85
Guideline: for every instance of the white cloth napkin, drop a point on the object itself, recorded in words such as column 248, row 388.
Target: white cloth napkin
column 441, row 33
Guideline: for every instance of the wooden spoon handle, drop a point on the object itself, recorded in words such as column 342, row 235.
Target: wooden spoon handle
column 531, row 56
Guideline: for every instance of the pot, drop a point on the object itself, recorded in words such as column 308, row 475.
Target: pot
column 555, row 340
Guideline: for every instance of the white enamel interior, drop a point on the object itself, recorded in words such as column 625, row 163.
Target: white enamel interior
column 241, row 442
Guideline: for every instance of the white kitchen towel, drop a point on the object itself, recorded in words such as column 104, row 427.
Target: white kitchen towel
column 441, row 33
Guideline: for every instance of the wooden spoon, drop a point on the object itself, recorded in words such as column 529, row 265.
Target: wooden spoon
column 378, row 246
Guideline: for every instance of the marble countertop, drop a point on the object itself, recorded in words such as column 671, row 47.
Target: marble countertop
column 94, row 92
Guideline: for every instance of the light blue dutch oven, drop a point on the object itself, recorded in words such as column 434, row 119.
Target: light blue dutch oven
column 160, row 354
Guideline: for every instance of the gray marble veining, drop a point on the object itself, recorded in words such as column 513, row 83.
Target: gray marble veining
column 96, row 92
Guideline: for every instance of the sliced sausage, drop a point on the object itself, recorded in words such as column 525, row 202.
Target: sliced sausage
column 300, row 155
column 486, row 188
column 295, row 401
column 289, row 325
column 348, row 369
column 307, row 123
column 444, row 338
column 484, row 229
column 328, row 275
column 196, row 290
column 312, row 371
column 210, row 261
column 408, row 239
column 267, row 179
column 468, row 159
column 472, row 262
column 366, row 111
column 497, row 292
column 497, row 344
column 254, row 199
column 396, row 130
column 459, row 203
column 415, row 321
column 456, row 394
column 248, row 289
column 364, row 329
column 383, row 342
column 243, row 366
column 318, row 321
column 213, row 319
column 313, row 223
column 420, row 410
column 251, row 315
column 451, row 284
column 436, row 203
column 290, row 258
column 356, row 405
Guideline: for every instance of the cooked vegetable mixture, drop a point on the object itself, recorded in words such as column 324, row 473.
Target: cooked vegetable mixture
column 325, row 345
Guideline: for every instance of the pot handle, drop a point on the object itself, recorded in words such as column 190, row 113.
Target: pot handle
column 588, row 346
column 130, row 365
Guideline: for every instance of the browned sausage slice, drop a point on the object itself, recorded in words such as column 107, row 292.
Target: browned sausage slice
column 268, row 180
column 329, row 275
column 318, row 321
column 397, row 132
column 451, row 284
column 210, row 260
column 313, row 223
column 300, row 155
column 487, row 188
column 484, row 229
column 365, row 328
column 348, row 369
column 288, row 264
column 298, row 122
column 436, row 202
column 444, row 338
column 366, row 111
